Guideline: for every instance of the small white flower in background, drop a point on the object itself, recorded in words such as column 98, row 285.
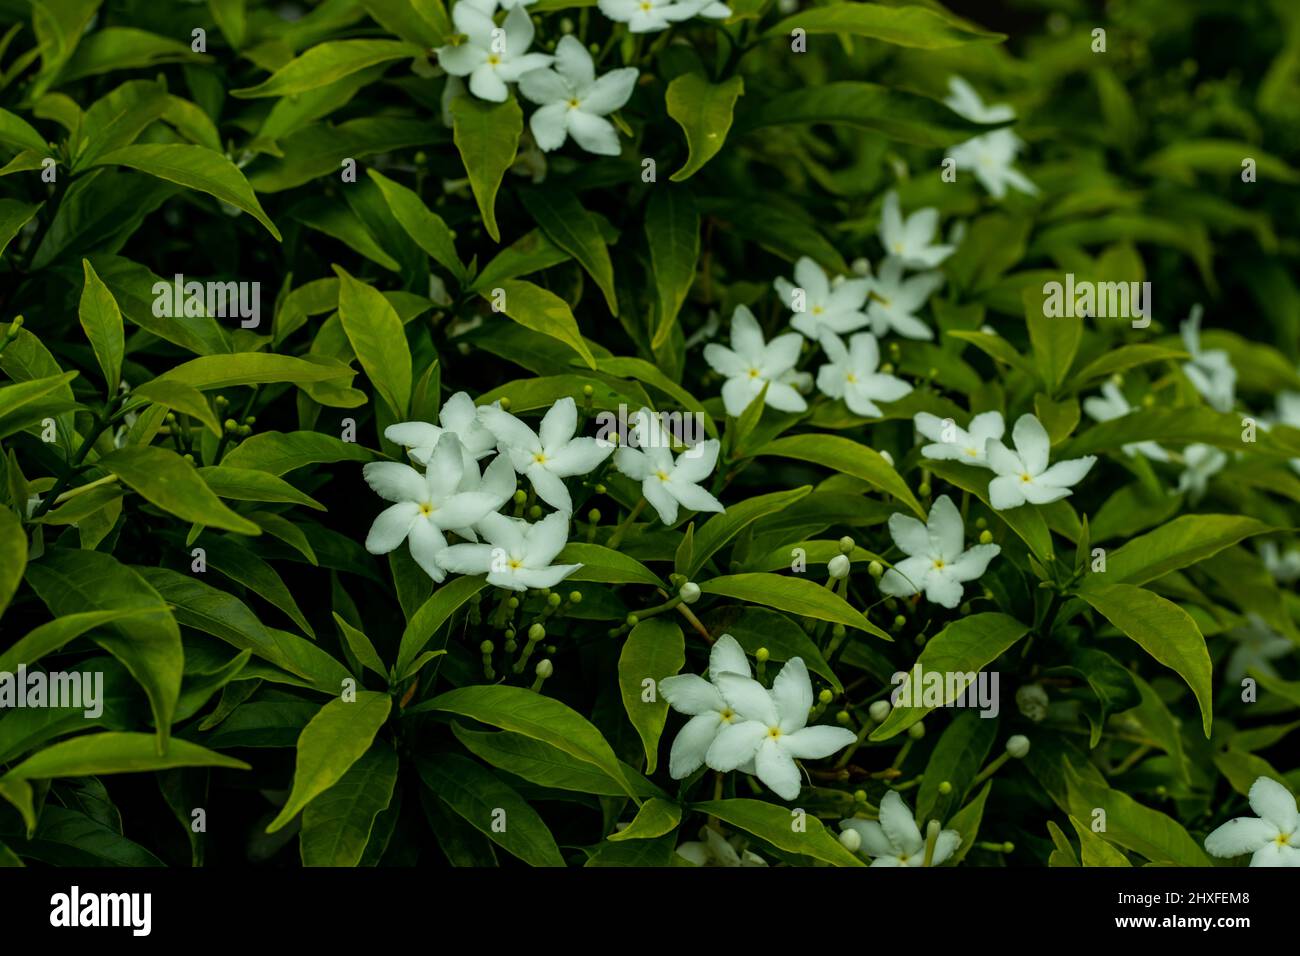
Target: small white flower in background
column 701, row 700
column 1200, row 464
column 773, row 731
column 937, row 561
column 664, row 482
column 896, row 840
column 991, row 159
column 574, row 102
column 1288, row 413
column 1210, row 371
column 717, row 851
column 895, row 300
column 1257, row 644
column 424, row 505
column 1284, row 566
column 458, row 415
column 490, row 6
column 751, row 363
column 851, row 375
column 821, row 306
column 650, row 16
column 910, row 239
column 1111, row 404
column 1023, row 475
column 517, row 555
column 491, row 56
column 964, row 101
column 551, row 453
column 950, row 442
column 1272, row 836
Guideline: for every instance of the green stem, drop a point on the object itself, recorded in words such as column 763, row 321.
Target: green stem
column 621, row 530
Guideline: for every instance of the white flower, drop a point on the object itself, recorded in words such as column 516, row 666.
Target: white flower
column 425, row 505
column 824, row 306
column 489, row 6
column 751, row 363
column 1210, row 371
column 574, row 102
column 517, row 555
column 650, row 16
column 491, row 56
column 773, row 731
column 1112, row 404
column 701, row 700
column 1288, row 413
column 1200, row 464
column 546, row 456
column 1273, row 836
column 1023, row 475
column 1285, row 567
column 952, row 443
column 895, row 300
column 964, row 101
column 937, row 562
column 990, row 157
column 910, row 240
column 460, row 417
column 896, row 840
column 852, row 376
column 1257, row 644
column 716, row 851
column 666, row 483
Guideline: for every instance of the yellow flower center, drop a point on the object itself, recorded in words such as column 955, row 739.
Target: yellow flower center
column 646, row 7
column 539, row 457
column 1025, row 478
column 817, row 310
column 774, row 732
column 515, row 564
column 938, row 563
column 574, row 104
column 494, row 60
column 661, row 475
column 898, row 247
column 850, row 378
column 426, row 509
column 726, row 714
column 754, row 373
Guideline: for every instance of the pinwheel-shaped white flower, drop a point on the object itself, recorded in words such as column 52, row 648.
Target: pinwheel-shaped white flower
column 896, row 839
column 1023, row 475
column 650, row 16
column 664, row 482
column 1111, row 404
column 701, row 700
column 551, row 453
column 715, row 850
column 574, row 102
column 964, row 101
column 491, row 56
column 1257, row 644
column 1210, row 370
column 937, row 561
column 751, row 363
column 1288, row 413
column 852, row 376
column 821, row 306
column 1272, row 837
column 425, row 505
column 991, row 158
column 458, row 416
column 909, row 240
column 773, row 729
column 950, row 442
column 895, row 300
column 1200, row 464
column 1284, row 566
column 517, row 554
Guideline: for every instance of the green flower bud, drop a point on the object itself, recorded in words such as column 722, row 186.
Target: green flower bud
column 535, row 512
column 899, row 622
column 575, row 597
column 839, row 567
column 510, row 633
column 588, row 391
column 190, row 459
column 486, row 647
column 1032, row 701
column 825, row 696
column 917, row 730
column 520, row 497
column 851, row 840
column 554, row 600
column 633, row 620
column 860, row 796
column 594, row 516
column 842, row 717
column 879, row 710
column 513, row 603
column 250, row 420
column 600, row 489
column 986, row 537
column 875, row 569
column 690, row 592
column 1018, row 746
column 544, row 668
column 847, row 545
column 923, row 489
column 536, row 633
column 230, row 425
column 505, row 404
column 981, row 523
column 945, row 788
column 762, row 655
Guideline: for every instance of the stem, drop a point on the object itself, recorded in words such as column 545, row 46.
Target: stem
column 97, row 428
column 621, row 530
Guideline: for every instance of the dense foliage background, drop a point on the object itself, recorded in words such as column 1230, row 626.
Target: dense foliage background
column 183, row 508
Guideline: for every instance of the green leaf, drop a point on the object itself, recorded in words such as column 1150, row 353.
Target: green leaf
column 956, row 759
column 575, row 231
column 966, row 822
column 481, row 799
column 231, row 19
column 848, row 457
column 995, row 346
column 248, row 484
column 13, row 555
column 52, row 635
column 165, row 479
column 796, row 595
column 605, row 565
column 1163, row 629
column 773, row 824
column 961, row 650
column 16, row 131
column 654, row 649
column 278, row 453
column 655, row 818
column 336, row 825
column 148, row 644
column 722, row 528
column 529, row 713
column 424, row 226
column 329, row 745
column 116, row 753
column 1131, row 825
column 13, row 216
column 915, row 27
column 540, row 310
column 1095, row 850
column 1055, row 339
column 195, row 167
column 102, row 322
column 209, row 372
column 363, row 649
column 244, row 567
column 327, row 62
column 672, row 230
column 179, row 397
column 433, row 613
column 1122, row 359
column 755, row 627
column 1180, row 543
column 378, row 339
column 703, row 111
column 487, row 136
column 547, row 766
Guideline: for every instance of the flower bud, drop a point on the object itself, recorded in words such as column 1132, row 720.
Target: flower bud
column 860, row 796
column 986, row 537
column 875, row 569
column 1031, row 701
column 536, row 633
column 847, row 545
column 575, row 597
column 879, row 710
column 923, row 489
column 981, row 523
column 588, row 391
column 544, row 668
column 825, row 696
column 839, row 566
column 842, row 718
column 554, row 600
column 504, row 403
column 1018, row 746
column 594, row 516
column 632, row 620
column 917, row 730
column 600, row 489
column 889, row 459
column 851, row 840
column 535, row 512
column 945, row 788
column 762, row 655
column 520, row 496
column 690, row 592
column 899, row 621
column 230, row 425
column 486, row 647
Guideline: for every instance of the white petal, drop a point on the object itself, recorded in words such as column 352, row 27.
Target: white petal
column 909, row 534
column 945, row 528
column 1242, row 835
column 550, row 488
column 574, row 62
column 691, row 694
column 394, row 481
column 814, row 743
column 1032, row 443
column 897, row 822
column 578, row 457
column 748, row 698
column 727, row 657
column 595, row 134
column 664, row 504
column 792, row 694
column 777, row 769
column 945, row 846
column 693, row 496
column 610, row 92
column 697, row 462
column 466, row 558
column 427, row 543
column 391, row 527
column 692, row 743
column 1274, row 803
column 545, row 539
column 943, row 589
column 973, row 563
column 1067, row 474
column 735, row 744
column 550, row 125
column 874, row 841
column 544, row 577
column 1005, row 492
